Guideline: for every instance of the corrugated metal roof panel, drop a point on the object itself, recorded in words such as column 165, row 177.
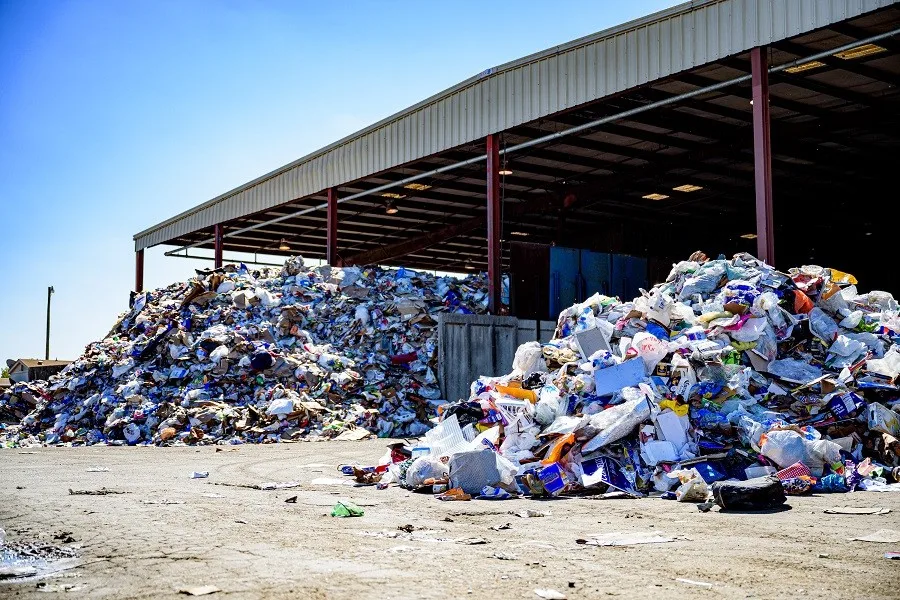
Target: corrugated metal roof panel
column 587, row 69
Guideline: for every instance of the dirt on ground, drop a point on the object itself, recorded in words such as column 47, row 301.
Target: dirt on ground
column 166, row 532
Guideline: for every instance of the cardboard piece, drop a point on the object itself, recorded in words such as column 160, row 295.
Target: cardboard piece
column 671, row 428
column 612, row 379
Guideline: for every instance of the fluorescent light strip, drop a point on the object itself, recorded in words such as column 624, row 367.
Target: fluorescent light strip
column 688, row 188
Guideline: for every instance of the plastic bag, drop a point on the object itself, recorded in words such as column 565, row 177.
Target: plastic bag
column 693, row 487
column 785, row 447
column 529, row 359
column 614, row 423
column 550, row 405
column 889, row 366
column 822, row 326
column 749, row 331
column 650, row 348
column 425, row 467
column 794, row 370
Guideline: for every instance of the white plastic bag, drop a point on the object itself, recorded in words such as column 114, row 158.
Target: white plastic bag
column 650, row 348
column 786, row 447
column 614, row 423
column 822, row 326
column 425, row 467
column 529, row 359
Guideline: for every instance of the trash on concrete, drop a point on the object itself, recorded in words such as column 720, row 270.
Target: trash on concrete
column 550, row 594
column 852, row 510
column 101, row 492
column 882, row 536
column 199, row 475
column 703, row 584
column 239, row 355
column 345, row 508
column 731, row 381
column 200, row 590
column 632, row 538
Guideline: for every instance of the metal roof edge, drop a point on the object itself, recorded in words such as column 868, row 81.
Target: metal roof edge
column 490, row 72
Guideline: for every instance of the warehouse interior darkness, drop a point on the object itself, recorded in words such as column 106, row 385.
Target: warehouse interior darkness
column 656, row 185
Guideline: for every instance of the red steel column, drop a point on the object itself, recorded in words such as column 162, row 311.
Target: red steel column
column 331, row 254
column 139, row 271
column 762, row 156
column 217, row 233
column 493, row 222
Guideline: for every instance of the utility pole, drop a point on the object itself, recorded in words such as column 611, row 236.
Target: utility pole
column 50, row 291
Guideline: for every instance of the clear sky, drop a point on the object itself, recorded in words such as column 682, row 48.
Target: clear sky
column 117, row 115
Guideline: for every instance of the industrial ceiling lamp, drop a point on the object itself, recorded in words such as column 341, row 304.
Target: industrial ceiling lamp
column 283, row 246
column 505, row 170
column 390, row 207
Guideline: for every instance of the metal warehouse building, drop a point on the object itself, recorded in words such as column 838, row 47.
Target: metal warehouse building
column 767, row 126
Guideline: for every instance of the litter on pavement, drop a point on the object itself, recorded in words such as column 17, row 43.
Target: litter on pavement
column 237, row 355
column 730, row 384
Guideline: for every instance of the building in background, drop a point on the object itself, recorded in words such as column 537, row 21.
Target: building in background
column 34, row 369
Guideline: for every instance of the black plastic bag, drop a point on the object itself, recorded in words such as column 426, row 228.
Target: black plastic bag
column 755, row 494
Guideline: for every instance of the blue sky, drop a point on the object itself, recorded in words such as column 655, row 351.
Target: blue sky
column 117, row 115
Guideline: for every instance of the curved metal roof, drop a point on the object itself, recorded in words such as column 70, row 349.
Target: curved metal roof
column 538, row 85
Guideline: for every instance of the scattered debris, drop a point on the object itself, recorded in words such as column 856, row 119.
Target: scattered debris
column 550, row 594
column 617, row 538
column 345, row 508
column 473, row 541
column 530, row 513
column 850, row 510
column 202, row 590
column 692, row 582
column 101, row 492
column 237, row 354
column 882, row 536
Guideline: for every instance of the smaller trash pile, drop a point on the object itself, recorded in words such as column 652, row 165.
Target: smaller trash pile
column 730, row 383
column 237, row 355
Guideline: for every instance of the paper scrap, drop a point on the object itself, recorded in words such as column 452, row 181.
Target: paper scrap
column 618, row 538
column 200, row 590
column 882, row 536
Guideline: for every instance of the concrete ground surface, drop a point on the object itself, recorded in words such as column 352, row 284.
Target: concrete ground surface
column 168, row 532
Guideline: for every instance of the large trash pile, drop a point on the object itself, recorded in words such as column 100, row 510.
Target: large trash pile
column 730, row 381
column 255, row 356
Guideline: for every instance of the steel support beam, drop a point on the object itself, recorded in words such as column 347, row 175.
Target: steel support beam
column 139, row 271
column 217, row 234
column 493, row 223
column 331, row 253
column 762, row 156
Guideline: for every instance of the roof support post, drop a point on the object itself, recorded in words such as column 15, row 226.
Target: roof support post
column 139, row 271
column 218, row 235
column 331, row 253
column 493, row 222
column 762, row 156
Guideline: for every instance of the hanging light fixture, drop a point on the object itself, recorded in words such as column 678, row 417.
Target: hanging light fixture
column 283, row 246
column 390, row 207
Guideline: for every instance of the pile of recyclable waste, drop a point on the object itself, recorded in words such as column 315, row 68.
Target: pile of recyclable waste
column 235, row 355
column 731, row 383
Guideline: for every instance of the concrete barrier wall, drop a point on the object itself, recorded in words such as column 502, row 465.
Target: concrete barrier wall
column 470, row 346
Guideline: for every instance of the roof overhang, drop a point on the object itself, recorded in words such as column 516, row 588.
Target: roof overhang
column 638, row 61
